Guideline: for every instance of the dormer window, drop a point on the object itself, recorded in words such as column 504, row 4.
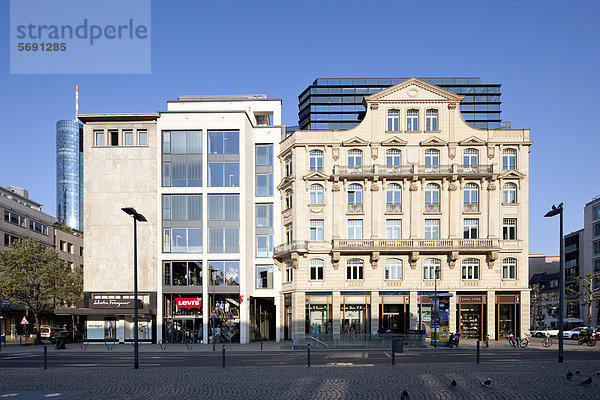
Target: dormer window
column 412, row 120
column 393, row 120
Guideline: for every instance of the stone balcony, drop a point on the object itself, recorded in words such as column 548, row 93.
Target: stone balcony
column 428, row 245
column 401, row 171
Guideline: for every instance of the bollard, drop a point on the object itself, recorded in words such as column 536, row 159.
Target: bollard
column 308, row 354
column 20, row 343
column 478, row 352
column 261, row 343
column 223, row 356
column 45, row 357
column 393, row 352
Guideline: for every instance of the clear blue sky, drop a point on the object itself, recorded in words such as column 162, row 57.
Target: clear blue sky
column 545, row 54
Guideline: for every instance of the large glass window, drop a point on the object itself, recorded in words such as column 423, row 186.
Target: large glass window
column 471, row 157
column 432, row 157
column 182, row 207
column 431, row 266
column 13, row 218
column 432, row 229
column 509, row 159
column 182, row 240
column 264, row 185
column 264, row 215
column 316, row 160
column 223, row 240
column 316, row 194
column 355, row 158
column 223, row 207
column 509, row 193
column 316, row 229
column 355, row 229
column 38, row 227
column 182, row 174
column 431, row 120
column 264, row 277
column 224, row 273
column 316, row 269
column 393, row 158
column 471, row 194
column 470, row 269
column 264, row 154
column 393, row 120
column 354, row 269
column 412, row 120
column 432, row 194
column 393, row 194
column 509, row 268
column 182, row 142
column 355, row 194
column 183, row 273
column 393, row 269
column 596, row 212
column 509, row 229
column 224, row 174
column 393, row 229
column 264, row 245
column 471, row 228
column 223, row 142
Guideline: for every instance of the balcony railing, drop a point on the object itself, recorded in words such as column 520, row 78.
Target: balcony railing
column 355, row 208
column 471, row 207
column 410, row 170
column 474, row 169
column 393, row 208
column 394, row 170
column 434, row 169
column 353, row 170
column 414, row 244
column 294, row 246
column 432, row 208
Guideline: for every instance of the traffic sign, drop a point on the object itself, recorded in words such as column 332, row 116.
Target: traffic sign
column 24, row 321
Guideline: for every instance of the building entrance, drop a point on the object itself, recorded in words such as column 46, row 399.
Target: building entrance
column 393, row 314
column 184, row 330
column 262, row 318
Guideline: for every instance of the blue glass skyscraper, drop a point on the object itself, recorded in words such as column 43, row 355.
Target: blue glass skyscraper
column 69, row 173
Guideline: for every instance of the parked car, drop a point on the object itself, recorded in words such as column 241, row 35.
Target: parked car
column 47, row 331
column 66, row 337
column 574, row 333
column 541, row 332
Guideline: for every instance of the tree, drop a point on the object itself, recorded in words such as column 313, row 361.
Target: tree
column 538, row 303
column 33, row 275
column 588, row 291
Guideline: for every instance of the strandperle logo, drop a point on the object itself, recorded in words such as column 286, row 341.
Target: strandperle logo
column 84, row 31
column 80, row 37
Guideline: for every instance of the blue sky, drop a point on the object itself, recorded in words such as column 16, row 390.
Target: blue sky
column 545, row 54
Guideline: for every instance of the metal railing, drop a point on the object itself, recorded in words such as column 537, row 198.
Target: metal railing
column 414, row 340
column 409, row 244
column 294, row 245
column 409, row 170
column 353, row 170
column 394, row 170
column 474, row 169
column 434, row 169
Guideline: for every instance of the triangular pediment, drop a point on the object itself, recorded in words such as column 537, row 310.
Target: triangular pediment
column 394, row 141
column 433, row 141
column 285, row 182
column 472, row 141
column 511, row 175
column 414, row 88
column 355, row 141
column 316, row 176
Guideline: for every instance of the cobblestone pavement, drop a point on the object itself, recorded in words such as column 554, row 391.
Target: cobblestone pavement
column 542, row 380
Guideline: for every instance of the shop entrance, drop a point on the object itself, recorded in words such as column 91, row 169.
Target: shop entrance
column 471, row 315
column 507, row 315
column 262, row 318
column 393, row 314
column 184, row 330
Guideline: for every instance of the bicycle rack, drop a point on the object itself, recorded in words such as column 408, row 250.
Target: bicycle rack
column 189, row 344
column 162, row 344
column 83, row 344
column 110, row 344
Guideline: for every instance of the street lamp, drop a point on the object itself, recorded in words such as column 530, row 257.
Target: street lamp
column 436, row 307
column 561, row 279
column 136, row 217
column 212, row 319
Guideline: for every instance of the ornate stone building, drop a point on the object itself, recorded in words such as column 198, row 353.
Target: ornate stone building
column 371, row 213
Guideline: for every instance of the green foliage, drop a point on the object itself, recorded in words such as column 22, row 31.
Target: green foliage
column 33, row 275
column 587, row 291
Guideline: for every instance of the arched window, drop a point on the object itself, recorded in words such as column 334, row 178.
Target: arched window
column 412, row 120
column 316, row 194
column 288, row 166
column 471, row 157
column 431, row 269
column 470, row 269
column 432, row 157
column 393, row 120
column 354, row 269
column 471, row 192
column 393, row 158
column 355, row 158
column 316, row 160
column 431, row 120
column 393, row 269
column 316, row 269
column 432, row 193
column 393, row 194
column 509, row 159
column 509, row 193
column 509, row 268
column 355, row 194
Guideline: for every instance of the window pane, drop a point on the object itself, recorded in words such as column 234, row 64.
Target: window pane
column 194, row 240
column 178, row 142
column 142, row 138
column 231, row 142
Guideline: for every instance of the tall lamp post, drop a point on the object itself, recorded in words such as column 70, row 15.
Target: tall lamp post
column 214, row 309
column 136, row 217
column 435, row 307
column 561, row 279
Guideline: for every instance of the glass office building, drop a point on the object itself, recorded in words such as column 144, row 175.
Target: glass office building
column 69, row 173
column 337, row 103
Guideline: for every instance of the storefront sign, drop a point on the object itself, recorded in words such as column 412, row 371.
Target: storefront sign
column 356, row 299
column 318, row 299
column 507, row 299
column 394, row 299
column 471, row 299
column 112, row 303
column 184, row 302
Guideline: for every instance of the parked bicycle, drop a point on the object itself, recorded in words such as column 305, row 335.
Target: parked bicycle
column 512, row 341
column 587, row 336
column 518, row 342
column 525, row 342
column 547, row 342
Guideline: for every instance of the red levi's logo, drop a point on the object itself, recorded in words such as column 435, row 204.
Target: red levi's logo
column 183, row 302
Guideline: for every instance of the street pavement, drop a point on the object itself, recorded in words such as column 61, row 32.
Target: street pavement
column 279, row 372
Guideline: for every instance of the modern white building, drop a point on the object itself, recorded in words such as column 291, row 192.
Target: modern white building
column 202, row 172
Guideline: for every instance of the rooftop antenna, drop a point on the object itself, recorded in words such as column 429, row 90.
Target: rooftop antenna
column 76, row 102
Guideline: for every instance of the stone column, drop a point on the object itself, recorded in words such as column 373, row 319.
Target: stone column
column 335, row 312
column 524, row 309
column 413, row 308
column 491, row 314
column 374, row 312
column 453, row 308
column 298, row 313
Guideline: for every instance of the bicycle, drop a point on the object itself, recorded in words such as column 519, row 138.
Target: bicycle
column 512, row 341
column 486, row 341
column 547, row 342
column 525, row 342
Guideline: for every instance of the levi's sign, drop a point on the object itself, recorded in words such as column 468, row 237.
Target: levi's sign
column 183, row 302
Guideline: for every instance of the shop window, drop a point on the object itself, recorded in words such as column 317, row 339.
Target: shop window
column 183, row 273
column 470, row 269
column 224, row 273
column 316, row 269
